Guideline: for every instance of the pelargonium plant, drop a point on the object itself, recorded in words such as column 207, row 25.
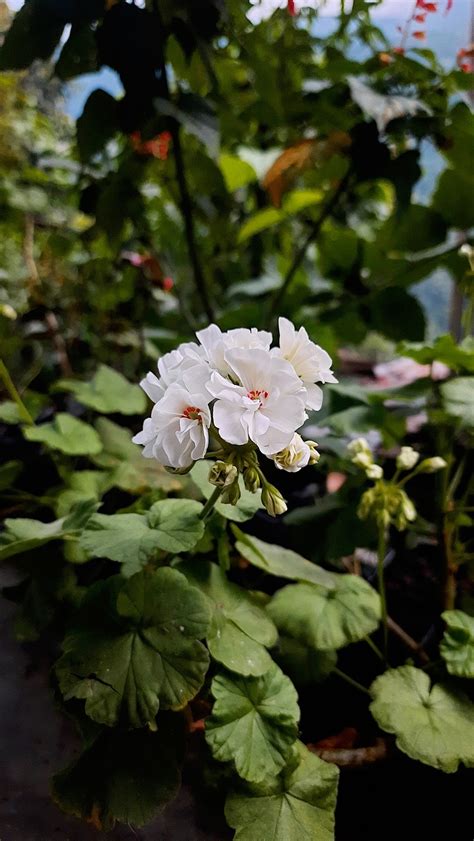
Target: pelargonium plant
column 234, row 398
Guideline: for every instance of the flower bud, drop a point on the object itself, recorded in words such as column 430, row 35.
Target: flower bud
column 251, row 479
column 231, row 494
column 431, row 465
column 222, row 475
column 273, row 500
column 374, row 471
column 359, row 446
column 407, row 458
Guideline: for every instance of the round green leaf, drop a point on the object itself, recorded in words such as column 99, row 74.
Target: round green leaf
column 432, row 724
column 67, row 434
column 457, row 645
column 254, row 722
column 275, row 560
column 125, row 776
column 172, row 525
column 298, row 806
column 305, row 666
column 327, row 619
column 458, row 399
column 135, row 647
column 107, row 392
column 240, row 631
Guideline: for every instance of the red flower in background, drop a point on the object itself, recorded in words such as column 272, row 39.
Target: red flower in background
column 157, row 147
column 291, row 7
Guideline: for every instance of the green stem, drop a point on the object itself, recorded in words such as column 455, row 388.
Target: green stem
column 374, row 648
column 209, row 506
column 12, row 391
column 381, row 552
column 351, row 681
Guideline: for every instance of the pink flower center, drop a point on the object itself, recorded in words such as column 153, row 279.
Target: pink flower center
column 257, row 394
column 192, row 413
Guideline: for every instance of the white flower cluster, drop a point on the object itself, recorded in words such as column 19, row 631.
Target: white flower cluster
column 237, row 383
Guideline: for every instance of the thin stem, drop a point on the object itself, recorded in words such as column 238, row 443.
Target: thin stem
column 351, row 681
column 412, row 644
column 185, row 198
column 326, row 211
column 374, row 648
column 381, row 552
column 12, row 391
column 209, row 506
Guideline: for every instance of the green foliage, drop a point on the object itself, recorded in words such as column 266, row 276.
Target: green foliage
column 67, row 434
column 458, row 400
column 122, row 776
column 171, row 525
column 107, row 392
column 22, row 535
column 254, row 723
column 240, row 631
column 253, row 168
column 135, row 648
column 433, row 724
column 299, row 804
column 275, row 560
column 327, row 619
column 457, row 645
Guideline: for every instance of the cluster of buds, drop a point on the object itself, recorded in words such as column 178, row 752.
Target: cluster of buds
column 387, row 502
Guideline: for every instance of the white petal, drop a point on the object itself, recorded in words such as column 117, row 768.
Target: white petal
column 229, row 419
column 314, row 397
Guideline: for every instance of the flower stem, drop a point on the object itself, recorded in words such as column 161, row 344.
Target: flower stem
column 381, row 552
column 351, row 681
column 209, row 506
column 374, row 648
column 12, row 391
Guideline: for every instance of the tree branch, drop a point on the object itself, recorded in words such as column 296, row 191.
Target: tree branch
column 326, row 211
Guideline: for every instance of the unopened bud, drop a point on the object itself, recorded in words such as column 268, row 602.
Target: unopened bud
column 407, row 458
column 222, row 475
column 273, row 500
column 231, row 494
column 358, row 446
column 251, row 479
column 431, row 465
column 374, row 471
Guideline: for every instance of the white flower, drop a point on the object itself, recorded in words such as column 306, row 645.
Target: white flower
column 311, row 363
column 174, row 367
column 407, row 458
column 216, row 343
column 177, row 432
column 266, row 406
column 294, row 457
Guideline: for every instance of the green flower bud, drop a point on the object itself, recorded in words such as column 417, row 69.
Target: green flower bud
column 222, row 475
column 251, row 479
column 359, row 445
column 273, row 500
column 431, row 465
column 314, row 455
column 231, row 494
column 407, row 458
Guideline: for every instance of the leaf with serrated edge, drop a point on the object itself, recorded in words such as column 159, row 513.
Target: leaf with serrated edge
column 297, row 806
column 327, row 619
column 172, row 525
column 457, row 645
column 21, row 534
column 254, row 722
column 67, row 434
column 240, row 631
column 275, row 560
column 433, row 724
column 135, row 647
